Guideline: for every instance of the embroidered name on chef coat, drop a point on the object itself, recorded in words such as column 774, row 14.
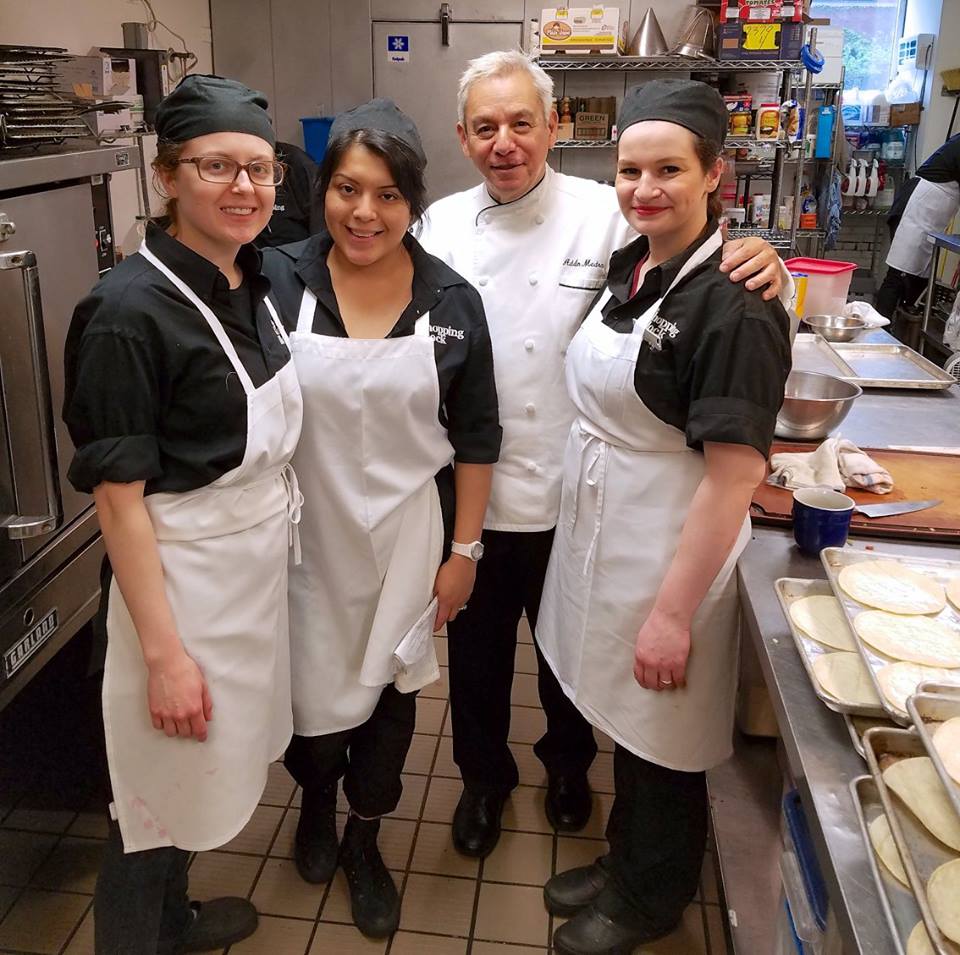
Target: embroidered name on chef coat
column 439, row 333
column 583, row 264
column 657, row 330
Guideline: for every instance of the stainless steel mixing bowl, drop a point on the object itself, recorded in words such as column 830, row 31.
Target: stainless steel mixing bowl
column 813, row 405
column 835, row 328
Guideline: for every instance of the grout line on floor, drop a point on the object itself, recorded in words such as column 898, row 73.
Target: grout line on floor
column 69, row 939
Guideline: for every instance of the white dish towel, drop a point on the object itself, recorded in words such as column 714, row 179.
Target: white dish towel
column 837, row 463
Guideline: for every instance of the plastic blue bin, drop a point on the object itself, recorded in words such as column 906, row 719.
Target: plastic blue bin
column 316, row 131
column 812, row 878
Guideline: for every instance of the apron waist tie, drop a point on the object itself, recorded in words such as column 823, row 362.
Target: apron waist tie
column 294, row 510
column 594, row 476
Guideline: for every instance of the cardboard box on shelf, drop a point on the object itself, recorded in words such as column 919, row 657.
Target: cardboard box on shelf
column 905, row 114
column 583, row 30
column 591, row 126
column 759, row 41
column 105, row 124
column 830, row 44
column 564, row 131
column 91, row 77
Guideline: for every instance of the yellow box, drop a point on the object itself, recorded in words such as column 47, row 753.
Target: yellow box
column 585, row 30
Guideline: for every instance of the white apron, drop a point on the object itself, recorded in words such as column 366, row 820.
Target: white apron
column 372, row 532
column 930, row 208
column 224, row 551
column 628, row 482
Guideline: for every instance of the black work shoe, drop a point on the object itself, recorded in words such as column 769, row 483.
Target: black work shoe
column 315, row 846
column 216, row 924
column 590, row 932
column 374, row 901
column 572, row 891
column 476, row 823
column 568, row 802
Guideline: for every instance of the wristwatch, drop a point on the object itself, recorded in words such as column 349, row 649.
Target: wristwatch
column 473, row 550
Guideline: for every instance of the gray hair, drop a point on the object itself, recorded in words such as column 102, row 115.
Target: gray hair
column 502, row 63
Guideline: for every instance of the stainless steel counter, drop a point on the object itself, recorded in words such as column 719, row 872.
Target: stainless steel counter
column 818, row 748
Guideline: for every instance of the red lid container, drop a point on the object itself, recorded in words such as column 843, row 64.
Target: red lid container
column 819, row 266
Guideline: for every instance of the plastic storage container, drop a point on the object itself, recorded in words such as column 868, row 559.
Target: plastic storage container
column 316, row 131
column 797, row 929
column 828, row 282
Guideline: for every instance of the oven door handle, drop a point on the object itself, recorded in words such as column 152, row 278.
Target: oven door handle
column 22, row 526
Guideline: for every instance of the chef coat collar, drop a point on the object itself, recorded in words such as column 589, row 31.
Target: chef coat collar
column 430, row 275
column 200, row 273
column 623, row 264
column 529, row 200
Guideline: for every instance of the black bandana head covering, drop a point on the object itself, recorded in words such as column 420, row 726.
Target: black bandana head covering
column 687, row 103
column 383, row 114
column 204, row 104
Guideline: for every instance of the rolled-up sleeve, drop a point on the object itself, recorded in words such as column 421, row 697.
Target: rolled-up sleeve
column 737, row 377
column 473, row 417
column 112, row 409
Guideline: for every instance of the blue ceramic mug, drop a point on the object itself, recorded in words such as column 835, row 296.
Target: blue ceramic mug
column 821, row 518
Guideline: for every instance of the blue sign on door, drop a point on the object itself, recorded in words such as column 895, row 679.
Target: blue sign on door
column 398, row 49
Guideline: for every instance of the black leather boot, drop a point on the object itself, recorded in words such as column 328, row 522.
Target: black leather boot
column 216, row 924
column 315, row 845
column 374, row 901
column 568, row 802
column 591, row 932
column 572, row 891
column 476, row 823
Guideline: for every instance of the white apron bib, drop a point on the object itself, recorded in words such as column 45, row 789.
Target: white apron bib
column 929, row 209
column 628, row 482
column 372, row 532
column 224, row 551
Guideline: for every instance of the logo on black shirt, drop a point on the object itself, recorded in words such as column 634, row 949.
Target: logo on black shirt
column 439, row 334
column 657, row 330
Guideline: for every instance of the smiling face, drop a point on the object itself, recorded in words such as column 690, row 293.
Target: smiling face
column 211, row 216
column 661, row 184
column 366, row 214
column 506, row 135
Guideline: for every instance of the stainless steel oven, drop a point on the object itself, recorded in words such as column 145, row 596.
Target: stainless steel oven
column 55, row 239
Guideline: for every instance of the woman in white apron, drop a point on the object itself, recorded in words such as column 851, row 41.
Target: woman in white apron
column 677, row 376
column 183, row 404
column 394, row 358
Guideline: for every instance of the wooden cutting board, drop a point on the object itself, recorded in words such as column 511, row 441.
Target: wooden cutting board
column 917, row 476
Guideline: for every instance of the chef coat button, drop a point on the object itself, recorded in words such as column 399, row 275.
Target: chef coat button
column 539, row 220
column 530, row 407
column 533, row 278
column 532, row 467
column 482, row 280
column 529, row 343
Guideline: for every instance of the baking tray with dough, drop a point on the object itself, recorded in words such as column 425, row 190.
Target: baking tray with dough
column 921, row 852
column 890, row 688
column 896, row 898
column 792, row 590
column 930, row 713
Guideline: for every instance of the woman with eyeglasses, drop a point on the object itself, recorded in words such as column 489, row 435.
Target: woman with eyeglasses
column 185, row 409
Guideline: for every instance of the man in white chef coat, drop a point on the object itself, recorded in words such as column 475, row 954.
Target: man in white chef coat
column 536, row 244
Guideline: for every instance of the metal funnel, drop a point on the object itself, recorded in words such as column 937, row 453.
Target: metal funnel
column 698, row 38
column 649, row 40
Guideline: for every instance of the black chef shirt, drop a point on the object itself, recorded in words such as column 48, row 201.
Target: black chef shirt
column 468, row 396
column 150, row 394
column 290, row 221
column 721, row 376
column 944, row 164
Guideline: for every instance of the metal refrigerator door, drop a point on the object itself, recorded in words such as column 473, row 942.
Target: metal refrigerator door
column 57, row 226
column 425, row 86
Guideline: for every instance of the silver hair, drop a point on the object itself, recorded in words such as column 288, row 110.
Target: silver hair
column 502, row 63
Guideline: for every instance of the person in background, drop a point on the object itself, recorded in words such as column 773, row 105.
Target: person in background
column 400, row 435
column 926, row 203
column 536, row 244
column 677, row 376
column 290, row 221
column 183, row 405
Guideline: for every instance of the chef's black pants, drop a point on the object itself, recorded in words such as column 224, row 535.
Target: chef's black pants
column 482, row 644
column 657, row 833
column 898, row 287
column 140, row 905
column 369, row 758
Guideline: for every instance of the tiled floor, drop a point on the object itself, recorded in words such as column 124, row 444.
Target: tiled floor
column 451, row 905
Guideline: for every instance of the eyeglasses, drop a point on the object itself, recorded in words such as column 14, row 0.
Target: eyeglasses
column 261, row 172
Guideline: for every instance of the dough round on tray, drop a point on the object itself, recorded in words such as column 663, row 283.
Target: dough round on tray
column 899, row 681
column 943, row 894
column 881, row 838
column 953, row 592
column 919, row 942
column 821, row 618
column 916, row 782
column 888, row 585
column 946, row 741
column 914, row 639
column 844, row 676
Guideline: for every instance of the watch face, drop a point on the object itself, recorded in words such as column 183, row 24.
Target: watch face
column 476, row 550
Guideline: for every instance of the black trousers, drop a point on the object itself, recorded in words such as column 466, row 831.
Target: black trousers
column 140, row 904
column 482, row 645
column 898, row 287
column 657, row 833
column 369, row 758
